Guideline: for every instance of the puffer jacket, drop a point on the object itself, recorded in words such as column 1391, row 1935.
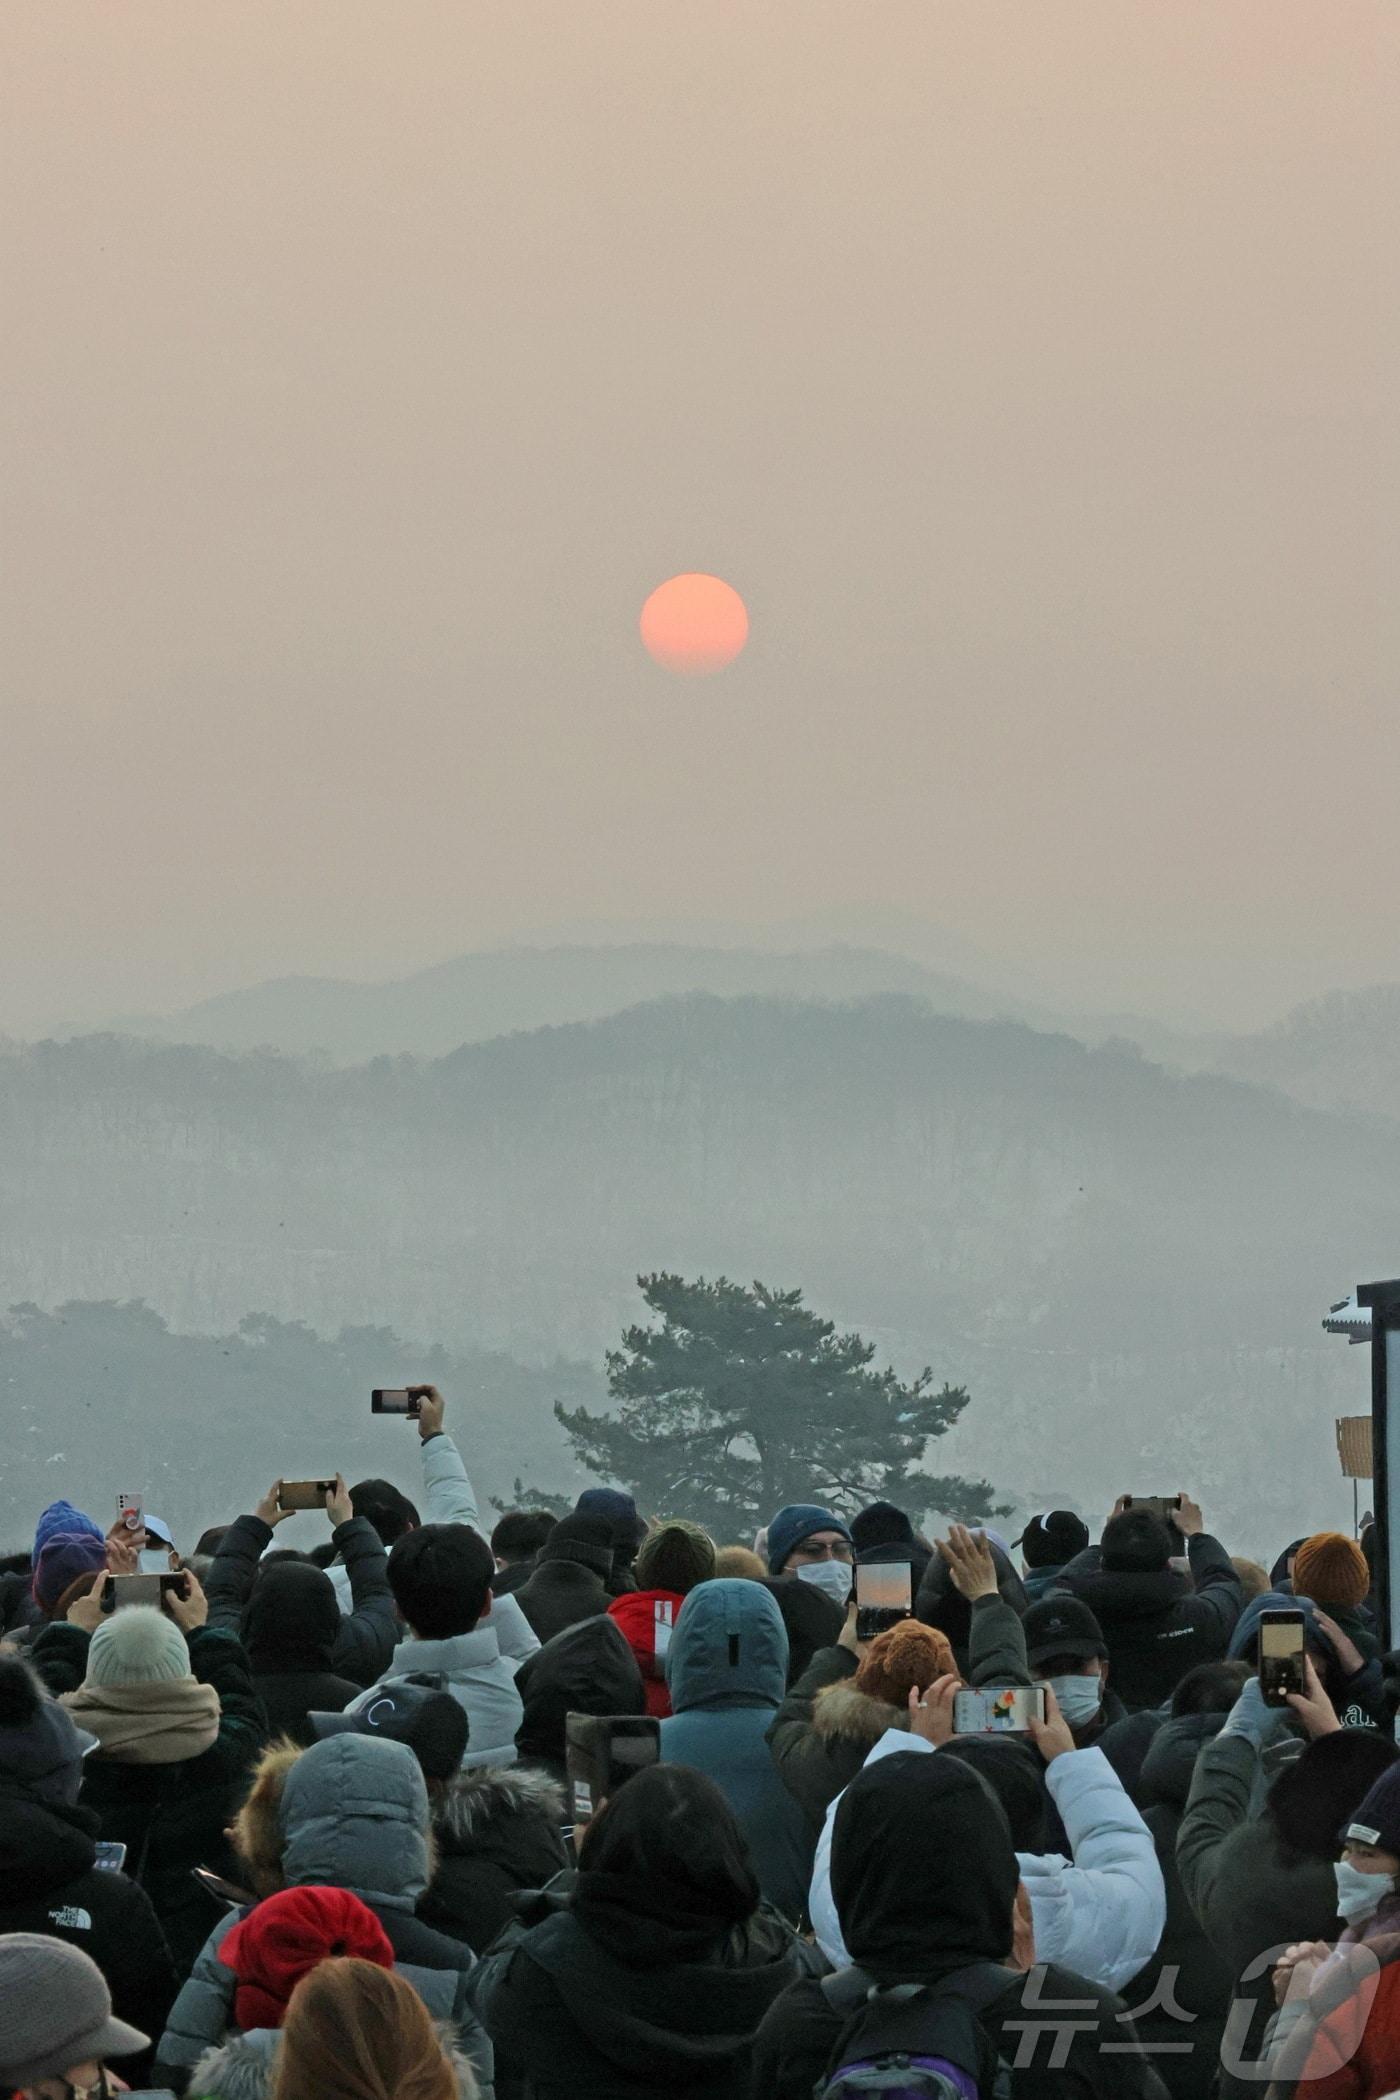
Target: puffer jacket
column 1185, row 1962
column 472, row 1668
column 244, row 2067
column 170, row 1817
column 499, row 1830
column 646, row 1620
column 1101, row 1914
column 352, row 1814
column 824, row 1731
column 727, row 1669
column 1159, row 1624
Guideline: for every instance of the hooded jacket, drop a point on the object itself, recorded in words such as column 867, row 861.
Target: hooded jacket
column 727, row 1669
column 1156, row 1623
column 170, row 1816
column 925, row 1880
column 498, row 1831
column 281, row 1613
column 1100, row 1914
column 50, row 1883
column 646, row 1619
column 353, row 1814
column 574, row 2018
column 587, row 1668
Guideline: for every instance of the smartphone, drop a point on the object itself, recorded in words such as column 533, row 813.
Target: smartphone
column 110, row 1855
column 304, row 1494
column 602, row 1752
column 131, row 1514
column 123, row 1590
column 393, row 1400
column 884, row 1596
column 1280, row 1655
column 1165, row 1506
column 226, row 1892
column 998, row 1709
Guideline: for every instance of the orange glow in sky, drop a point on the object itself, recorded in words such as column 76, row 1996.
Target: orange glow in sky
column 694, row 624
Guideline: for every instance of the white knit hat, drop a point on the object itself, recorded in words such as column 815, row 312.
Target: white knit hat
column 138, row 1645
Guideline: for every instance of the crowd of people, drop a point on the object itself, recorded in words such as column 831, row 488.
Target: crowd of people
column 302, row 1829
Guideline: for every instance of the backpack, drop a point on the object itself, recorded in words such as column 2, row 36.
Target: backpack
column 916, row 2041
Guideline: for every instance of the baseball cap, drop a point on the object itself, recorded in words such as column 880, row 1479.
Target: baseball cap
column 413, row 1710
column 1054, row 1537
column 1061, row 1625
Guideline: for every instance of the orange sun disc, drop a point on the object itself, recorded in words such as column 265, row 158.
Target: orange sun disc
column 694, row 624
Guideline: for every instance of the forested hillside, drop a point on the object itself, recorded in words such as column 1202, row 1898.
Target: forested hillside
column 1126, row 1269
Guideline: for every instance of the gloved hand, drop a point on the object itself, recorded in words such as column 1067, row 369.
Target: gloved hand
column 1251, row 1718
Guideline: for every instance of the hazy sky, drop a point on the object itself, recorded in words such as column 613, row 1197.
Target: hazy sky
column 1029, row 368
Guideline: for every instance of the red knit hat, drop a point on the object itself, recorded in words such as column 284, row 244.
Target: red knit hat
column 285, row 1937
column 907, row 1655
column 1331, row 1569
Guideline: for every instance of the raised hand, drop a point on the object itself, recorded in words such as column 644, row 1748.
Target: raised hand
column 338, row 1507
column 970, row 1563
column 431, row 1408
column 270, row 1509
column 931, row 1712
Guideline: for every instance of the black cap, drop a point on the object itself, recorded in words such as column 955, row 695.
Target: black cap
column 1051, row 1539
column 412, row 1710
column 1061, row 1625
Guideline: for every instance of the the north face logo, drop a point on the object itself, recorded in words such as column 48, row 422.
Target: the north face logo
column 71, row 1919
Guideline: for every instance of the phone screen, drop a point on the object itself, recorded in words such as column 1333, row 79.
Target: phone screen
column 304, row 1494
column 1280, row 1656
column 109, row 1855
column 884, row 1596
column 1003, row 1709
column 393, row 1400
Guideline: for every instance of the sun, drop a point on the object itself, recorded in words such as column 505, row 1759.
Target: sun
column 694, row 624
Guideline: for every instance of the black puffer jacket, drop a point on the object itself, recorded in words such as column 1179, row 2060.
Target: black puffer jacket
column 498, row 1830
column 1158, row 1625
column 49, row 1884
column 1185, row 1961
column 588, row 1669
column 560, row 1593
column 280, row 1612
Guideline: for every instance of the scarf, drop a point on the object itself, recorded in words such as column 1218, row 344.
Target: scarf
column 148, row 1724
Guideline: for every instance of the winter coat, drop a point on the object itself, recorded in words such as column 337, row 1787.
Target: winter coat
column 170, row 1817
column 574, row 2019
column 472, row 1668
column 727, row 1670
column 507, row 1580
column 646, row 1620
column 50, row 1884
column 561, row 1593
column 587, row 1668
column 1127, row 1742
column 1339, row 2065
column 359, row 1649
column 1039, row 1582
column 1101, row 1914
column 357, row 1820
column 1359, row 1698
column 1185, row 1963
column 1156, row 1625
column 824, row 1731
column 1068, row 2058
column 1249, row 1893
column 244, row 2067
column 498, row 1831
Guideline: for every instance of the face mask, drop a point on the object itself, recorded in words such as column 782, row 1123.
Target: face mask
column 831, row 1576
column 1359, row 1896
column 1079, row 1698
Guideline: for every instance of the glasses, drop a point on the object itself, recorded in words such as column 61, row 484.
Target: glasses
column 821, row 1549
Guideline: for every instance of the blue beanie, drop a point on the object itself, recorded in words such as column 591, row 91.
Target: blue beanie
column 794, row 1523
column 615, row 1507
column 61, row 1516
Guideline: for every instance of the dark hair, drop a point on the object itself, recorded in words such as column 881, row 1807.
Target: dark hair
column 521, row 1533
column 1211, row 1688
column 440, row 1575
column 672, row 1828
column 1323, row 1787
column 380, row 1503
column 1136, row 1543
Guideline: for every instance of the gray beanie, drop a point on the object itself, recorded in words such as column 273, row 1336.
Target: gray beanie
column 139, row 1645
column 55, row 2011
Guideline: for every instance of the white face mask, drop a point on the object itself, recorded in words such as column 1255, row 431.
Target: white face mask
column 1078, row 1697
column 1360, row 1896
column 831, row 1576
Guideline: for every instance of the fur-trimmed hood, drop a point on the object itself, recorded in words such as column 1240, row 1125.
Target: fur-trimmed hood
column 478, row 1799
column 841, row 1709
column 242, row 2067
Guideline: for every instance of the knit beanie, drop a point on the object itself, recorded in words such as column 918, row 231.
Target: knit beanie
column 64, row 1558
column 904, row 1656
column 616, row 1508
column 794, row 1523
column 1377, row 1821
column 882, row 1524
column 139, row 1645
column 676, row 1556
column 61, row 1516
column 586, row 1540
column 286, row 1936
column 41, row 1746
column 1331, row 1569
column 55, row 2011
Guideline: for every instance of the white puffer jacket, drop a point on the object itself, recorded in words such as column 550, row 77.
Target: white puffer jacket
column 1100, row 1915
